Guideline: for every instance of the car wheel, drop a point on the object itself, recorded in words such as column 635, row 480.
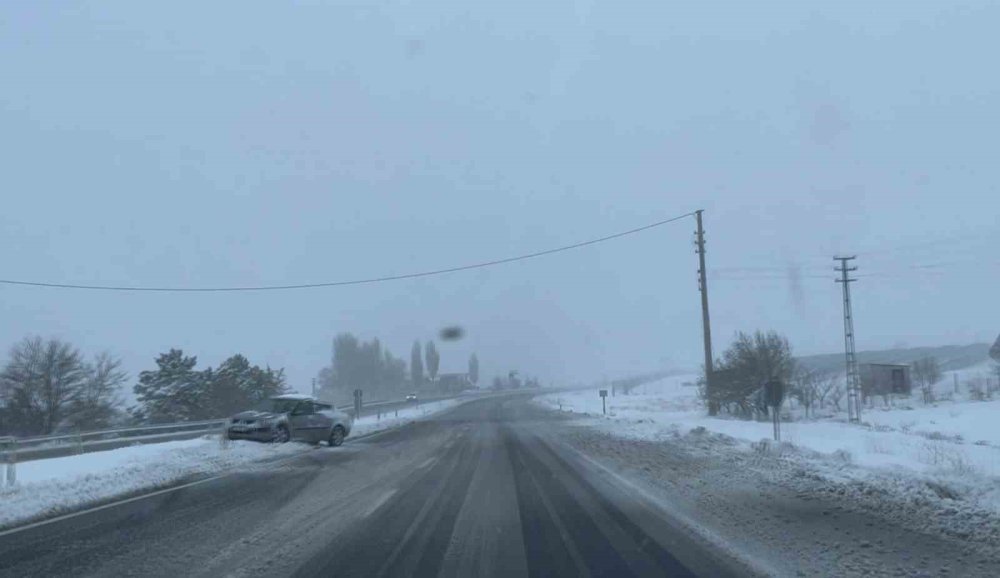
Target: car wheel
column 337, row 436
column 281, row 435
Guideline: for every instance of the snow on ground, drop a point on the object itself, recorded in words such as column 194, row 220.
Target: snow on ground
column 50, row 487
column 954, row 445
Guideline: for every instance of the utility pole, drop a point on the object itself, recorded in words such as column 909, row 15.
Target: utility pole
column 713, row 404
column 852, row 383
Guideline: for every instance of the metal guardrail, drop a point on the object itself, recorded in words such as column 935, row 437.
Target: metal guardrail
column 136, row 431
column 41, row 447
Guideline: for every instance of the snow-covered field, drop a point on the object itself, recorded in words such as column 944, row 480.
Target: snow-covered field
column 50, row 487
column 952, row 444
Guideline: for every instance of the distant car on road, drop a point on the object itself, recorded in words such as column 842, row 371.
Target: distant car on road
column 411, row 397
column 291, row 417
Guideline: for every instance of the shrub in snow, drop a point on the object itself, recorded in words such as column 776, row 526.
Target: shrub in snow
column 947, row 458
column 842, row 456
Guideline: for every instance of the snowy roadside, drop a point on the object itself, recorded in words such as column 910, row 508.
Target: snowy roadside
column 932, row 468
column 51, row 487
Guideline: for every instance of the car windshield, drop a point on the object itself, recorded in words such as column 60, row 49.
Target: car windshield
column 277, row 405
column 528, row 288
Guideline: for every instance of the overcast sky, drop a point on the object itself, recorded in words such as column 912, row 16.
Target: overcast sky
column 235, row 143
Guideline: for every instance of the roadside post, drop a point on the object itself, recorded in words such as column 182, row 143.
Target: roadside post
column 604, row 401
column 358, row 395
column 224, row 435
column 8, row 446
column 774, row 395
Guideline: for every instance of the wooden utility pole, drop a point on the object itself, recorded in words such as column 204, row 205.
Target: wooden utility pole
column 713, row 404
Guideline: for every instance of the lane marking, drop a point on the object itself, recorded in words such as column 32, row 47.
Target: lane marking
column 379, row 502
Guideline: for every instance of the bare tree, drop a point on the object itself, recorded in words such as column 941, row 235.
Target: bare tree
column 750, row 362
column 98, row 399
column 42, row 379
column 927, row 373
column 826, row 384
column 836, row 394
column 805, row 388
column 978, row 388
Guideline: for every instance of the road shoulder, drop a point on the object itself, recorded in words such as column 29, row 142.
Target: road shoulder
column 779, row 516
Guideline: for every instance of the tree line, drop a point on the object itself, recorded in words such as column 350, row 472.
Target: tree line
column 371, row 367
column 48, row 386
column 176, row 391
column 753, row 359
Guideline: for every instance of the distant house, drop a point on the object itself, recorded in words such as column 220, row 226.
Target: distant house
column 884, row 379
column 453, row 381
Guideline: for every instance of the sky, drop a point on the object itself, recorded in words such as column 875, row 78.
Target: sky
column 234, row 143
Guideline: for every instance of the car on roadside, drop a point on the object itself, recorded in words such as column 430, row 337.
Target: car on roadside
column 411, row 397
column 288, row 417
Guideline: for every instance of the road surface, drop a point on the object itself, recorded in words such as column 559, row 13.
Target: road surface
column 482, row 490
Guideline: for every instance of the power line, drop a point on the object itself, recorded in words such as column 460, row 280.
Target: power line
column 348, row 282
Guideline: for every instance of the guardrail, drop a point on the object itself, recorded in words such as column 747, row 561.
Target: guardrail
column 60, row 445
column 117, row 433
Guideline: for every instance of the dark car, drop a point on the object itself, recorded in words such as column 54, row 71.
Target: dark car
column 291, row 417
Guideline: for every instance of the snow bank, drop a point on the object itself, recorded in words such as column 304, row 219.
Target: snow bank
column 55, row 486
column 948, row 449
column 371, row 424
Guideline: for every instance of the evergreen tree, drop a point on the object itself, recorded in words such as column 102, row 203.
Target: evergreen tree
column 173, row 392
column 237, row 385
column 416, row 365
column 433, row 360
column 474, row 369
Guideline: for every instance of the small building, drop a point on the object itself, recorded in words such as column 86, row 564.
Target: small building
column 884, row 379
column 453, row 381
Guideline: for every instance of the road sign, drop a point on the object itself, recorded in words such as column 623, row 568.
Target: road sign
column 774, row 393
column 604, row 401
column 604, row 393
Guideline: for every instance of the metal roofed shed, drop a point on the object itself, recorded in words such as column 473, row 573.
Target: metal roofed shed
column 885, row 379
column 298, row 396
